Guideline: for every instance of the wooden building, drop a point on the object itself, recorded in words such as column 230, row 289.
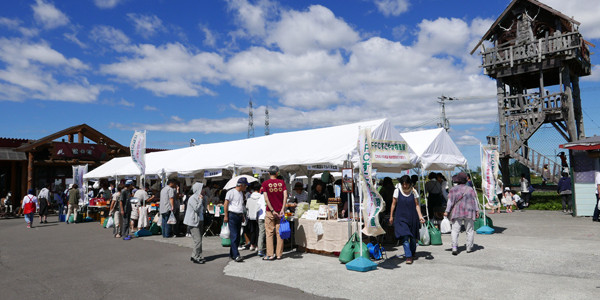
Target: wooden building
column 26, row 164
column 536, row 55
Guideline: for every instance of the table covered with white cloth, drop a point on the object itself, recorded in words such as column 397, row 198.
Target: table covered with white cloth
column 334, row 237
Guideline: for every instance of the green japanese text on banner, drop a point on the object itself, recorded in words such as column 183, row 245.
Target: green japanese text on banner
column 388, row 152
column 372, row 202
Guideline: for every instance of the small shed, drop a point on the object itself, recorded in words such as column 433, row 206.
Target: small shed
column 586, row 163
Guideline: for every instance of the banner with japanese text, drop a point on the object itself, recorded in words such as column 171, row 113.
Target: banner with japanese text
column 138, row 150
column 489, row 173
column 389, row 152
column 372, row 202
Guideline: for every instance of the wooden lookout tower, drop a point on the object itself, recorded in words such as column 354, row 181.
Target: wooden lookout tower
column 536, row 56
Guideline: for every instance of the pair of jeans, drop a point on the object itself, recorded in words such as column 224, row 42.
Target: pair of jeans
column 166, row 228
column 61, row 209
column 196, row 233
column 29, row 218
column 125, row 224
column 410, row 245
column 235, row 226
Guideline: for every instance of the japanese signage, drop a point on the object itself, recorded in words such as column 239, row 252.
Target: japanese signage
column 372, row 202
column 489, row 173
column 61, row 150
column 388, row 152
column 213, row 173
column 323, row 168
column 138, row 150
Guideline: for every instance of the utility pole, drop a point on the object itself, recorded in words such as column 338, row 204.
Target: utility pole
column 267, row 129
column 250, row 121
column 444, row 122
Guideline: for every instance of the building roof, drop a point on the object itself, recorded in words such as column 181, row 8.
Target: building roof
column 505, row 14
column 587, row 144
column 11, row 154
column 12, row 143
column 87, row 131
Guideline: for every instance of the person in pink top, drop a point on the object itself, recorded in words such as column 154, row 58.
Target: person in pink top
column 275, row 193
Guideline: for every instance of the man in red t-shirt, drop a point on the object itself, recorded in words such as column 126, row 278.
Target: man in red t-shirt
column 275, row 193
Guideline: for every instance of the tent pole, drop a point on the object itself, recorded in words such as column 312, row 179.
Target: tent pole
column 425, row 192
column 482, row 193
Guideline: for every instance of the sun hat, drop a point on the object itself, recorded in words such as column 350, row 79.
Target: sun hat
column 242, row 180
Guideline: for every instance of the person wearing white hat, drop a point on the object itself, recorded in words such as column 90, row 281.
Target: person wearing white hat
column 73, row 202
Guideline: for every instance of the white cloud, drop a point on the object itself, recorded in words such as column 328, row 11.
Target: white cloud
column 73, row 38
column 252, row 18
column 467, row 140
column 107, row 3
column 48, row 15
column 146, row 25
column 209, row 38
column 150, row 108
column 169, row 69
column 392, row 7
column 126, row 103
column 110, row 36
column 207, row 126
column 315, row 29
column 584, row 11
column 35, row 70
column 15, row 24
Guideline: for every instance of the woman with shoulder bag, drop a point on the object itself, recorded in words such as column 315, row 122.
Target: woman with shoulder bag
column 462, row 206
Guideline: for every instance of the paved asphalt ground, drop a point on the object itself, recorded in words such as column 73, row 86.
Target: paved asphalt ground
column 534, row 255
column 83, row 261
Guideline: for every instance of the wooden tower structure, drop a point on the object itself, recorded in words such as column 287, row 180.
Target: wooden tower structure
column 536, row 56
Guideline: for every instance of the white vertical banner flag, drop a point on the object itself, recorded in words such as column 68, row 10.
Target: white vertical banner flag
column 78, row 172
column 372, row 203
column 138, row 150
column 489, row 173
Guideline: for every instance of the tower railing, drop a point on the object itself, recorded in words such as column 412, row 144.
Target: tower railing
column 537, row 50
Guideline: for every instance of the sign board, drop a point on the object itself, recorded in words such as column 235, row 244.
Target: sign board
column 388, row 152
column 323, row 168
column 63, row 150
column 213, row 173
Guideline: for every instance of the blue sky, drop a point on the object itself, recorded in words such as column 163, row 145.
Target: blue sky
column 186, row 69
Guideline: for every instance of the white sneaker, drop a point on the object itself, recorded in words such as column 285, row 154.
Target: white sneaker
column 252, row 248
column 241, row 248
column 188, row 235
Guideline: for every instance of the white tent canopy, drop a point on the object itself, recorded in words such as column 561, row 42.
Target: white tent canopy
column 291, row 151
column 435, row 149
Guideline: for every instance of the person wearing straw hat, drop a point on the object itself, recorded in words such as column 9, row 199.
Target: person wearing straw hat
column 462, row 206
